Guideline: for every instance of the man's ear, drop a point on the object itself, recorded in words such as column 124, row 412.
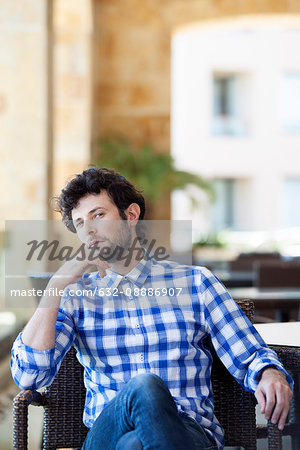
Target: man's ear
column 133, row 213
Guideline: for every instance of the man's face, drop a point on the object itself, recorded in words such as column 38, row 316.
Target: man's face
column 99, row 225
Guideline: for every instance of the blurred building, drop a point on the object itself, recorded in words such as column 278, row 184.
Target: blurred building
column 236, row 119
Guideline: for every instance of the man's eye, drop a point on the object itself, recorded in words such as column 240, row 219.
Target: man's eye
column 79, row 224
column 98, row 215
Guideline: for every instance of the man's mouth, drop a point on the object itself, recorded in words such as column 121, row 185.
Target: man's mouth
column 95, row 243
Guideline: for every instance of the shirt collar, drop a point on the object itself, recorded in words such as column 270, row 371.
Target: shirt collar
column 137, row 275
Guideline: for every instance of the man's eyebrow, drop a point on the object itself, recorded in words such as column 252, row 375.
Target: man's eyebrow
column 95, row 209
column 90, row 212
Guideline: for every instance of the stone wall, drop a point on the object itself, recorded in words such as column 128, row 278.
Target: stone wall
column 23, row 106
column 45, row 110
column 72, row 35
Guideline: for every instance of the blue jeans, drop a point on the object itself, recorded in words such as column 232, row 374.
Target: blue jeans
column 143, row 415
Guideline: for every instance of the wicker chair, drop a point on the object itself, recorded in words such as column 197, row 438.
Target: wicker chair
column 64, row 401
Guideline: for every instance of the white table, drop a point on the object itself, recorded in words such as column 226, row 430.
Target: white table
column 281, row 333
column 282, row 301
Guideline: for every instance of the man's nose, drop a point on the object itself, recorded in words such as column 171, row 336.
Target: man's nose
column 90, row 227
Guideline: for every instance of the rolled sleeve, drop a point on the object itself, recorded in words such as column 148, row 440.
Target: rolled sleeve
column 29, row 358
column 33, row 369
column 264, row 358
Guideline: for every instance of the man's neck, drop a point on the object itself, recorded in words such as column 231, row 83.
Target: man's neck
column 128, row 260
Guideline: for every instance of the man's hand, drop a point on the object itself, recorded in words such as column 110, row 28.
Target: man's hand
column 273, row 395
column 71, row 271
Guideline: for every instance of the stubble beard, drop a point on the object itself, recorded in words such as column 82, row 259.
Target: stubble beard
column 118, row 247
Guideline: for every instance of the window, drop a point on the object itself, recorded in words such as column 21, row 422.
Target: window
column 227, row 107
column 223, row 208
column 224, row 91
column 290, row 102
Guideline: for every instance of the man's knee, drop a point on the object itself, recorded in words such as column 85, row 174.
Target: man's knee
column 149, row 385
column 129, row 441
column 147, row 381
column 150, row 390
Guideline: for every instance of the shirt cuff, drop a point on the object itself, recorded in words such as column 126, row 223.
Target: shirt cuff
column 30, row 358
column 257, row 372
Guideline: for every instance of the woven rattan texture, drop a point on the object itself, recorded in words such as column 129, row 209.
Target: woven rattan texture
column 234, row 407
column 63, row 425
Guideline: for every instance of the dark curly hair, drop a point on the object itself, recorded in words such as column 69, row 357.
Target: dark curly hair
column 93, row 181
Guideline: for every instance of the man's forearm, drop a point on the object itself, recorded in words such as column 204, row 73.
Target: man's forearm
column 39, row 332
column 271, row 366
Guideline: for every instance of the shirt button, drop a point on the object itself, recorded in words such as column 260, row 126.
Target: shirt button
column 142, row 357
column 138, row 325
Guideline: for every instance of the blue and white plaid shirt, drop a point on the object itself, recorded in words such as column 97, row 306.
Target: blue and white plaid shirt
column 155, row 320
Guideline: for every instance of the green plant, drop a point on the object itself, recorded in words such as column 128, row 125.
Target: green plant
column 211, row 240
column 150, row 171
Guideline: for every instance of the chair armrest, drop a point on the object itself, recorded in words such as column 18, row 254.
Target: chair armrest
column 290, row 357
column 20, row 416
column 29, row 397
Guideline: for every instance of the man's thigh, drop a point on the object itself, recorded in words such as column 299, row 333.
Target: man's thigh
column 202, row 439
column 177, row 430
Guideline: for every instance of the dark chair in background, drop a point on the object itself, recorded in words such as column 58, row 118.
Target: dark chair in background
column 246, row 261
column 64, row 401
column 277, row 274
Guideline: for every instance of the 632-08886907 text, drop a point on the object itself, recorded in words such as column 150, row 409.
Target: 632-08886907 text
column 129, row 292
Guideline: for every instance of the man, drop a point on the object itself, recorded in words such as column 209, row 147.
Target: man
column 147, row 367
